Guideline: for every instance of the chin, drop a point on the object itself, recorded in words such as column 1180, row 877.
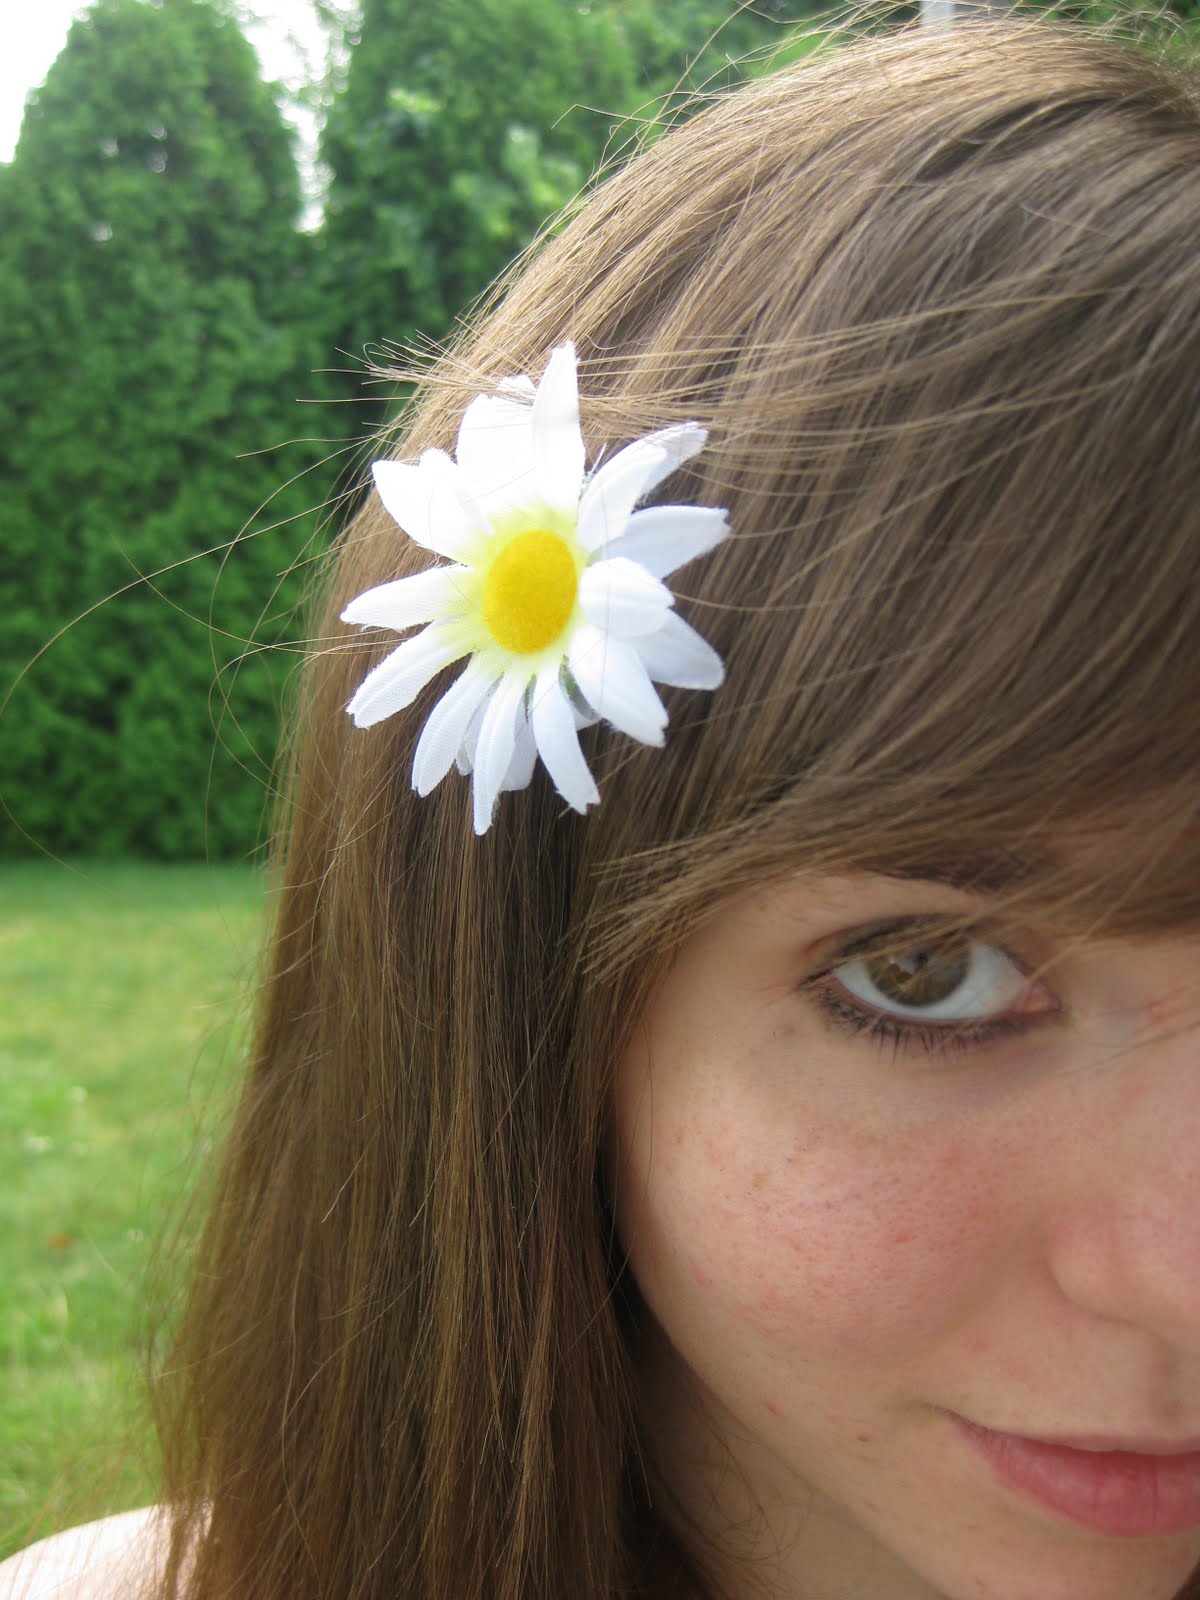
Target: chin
column 1081, row 1568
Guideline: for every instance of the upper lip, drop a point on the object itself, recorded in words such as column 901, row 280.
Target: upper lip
column 1142, row 1444
column 1138, row 1444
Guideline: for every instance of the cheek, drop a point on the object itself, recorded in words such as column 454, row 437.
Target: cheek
column 802, row 1232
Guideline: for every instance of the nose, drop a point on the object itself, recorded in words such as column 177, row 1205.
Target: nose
column 1126, row 1245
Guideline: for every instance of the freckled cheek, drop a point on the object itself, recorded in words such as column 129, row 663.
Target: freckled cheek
column 842, row 1245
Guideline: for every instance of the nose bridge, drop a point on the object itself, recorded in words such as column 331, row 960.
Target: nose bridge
column 1128, row 1247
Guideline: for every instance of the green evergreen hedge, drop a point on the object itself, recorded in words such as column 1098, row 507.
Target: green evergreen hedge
column 163, row 314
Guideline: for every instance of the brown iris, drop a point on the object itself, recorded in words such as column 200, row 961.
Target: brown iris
column 924, row 975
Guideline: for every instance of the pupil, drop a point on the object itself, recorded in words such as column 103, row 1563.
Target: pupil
column 920, row 977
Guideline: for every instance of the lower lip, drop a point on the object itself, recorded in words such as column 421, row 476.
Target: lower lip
column 1120, row 1493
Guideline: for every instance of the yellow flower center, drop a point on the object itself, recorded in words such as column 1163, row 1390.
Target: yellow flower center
column 530, row 590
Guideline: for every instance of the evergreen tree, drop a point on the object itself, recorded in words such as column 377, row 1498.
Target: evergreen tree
column 152, row 293
column 460, row 128
column 684, row 48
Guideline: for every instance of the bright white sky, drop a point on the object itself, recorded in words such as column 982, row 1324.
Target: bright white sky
column 286, row 35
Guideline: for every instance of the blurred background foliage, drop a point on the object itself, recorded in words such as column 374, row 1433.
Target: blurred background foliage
column 167, row 300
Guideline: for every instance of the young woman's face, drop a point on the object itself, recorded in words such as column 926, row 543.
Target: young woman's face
column 921, row 1229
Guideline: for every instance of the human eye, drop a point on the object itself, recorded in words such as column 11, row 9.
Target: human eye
column 928, row 990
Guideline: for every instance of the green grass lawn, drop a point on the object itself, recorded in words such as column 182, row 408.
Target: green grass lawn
column 122, row 997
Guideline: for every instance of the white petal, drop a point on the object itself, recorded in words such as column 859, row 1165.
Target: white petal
column 557, row 441
column 406, row 601
column 680, row 442
column 620, row 596
column 495, row 452
column 497, row 742
column 424, row 500
column 662, row 538
column 520, row 768
column 399, row 678
column 446, row 727
column 613, row 492
column 465, row 759
column 677, row 654
column 558, row 742
column 614, row 681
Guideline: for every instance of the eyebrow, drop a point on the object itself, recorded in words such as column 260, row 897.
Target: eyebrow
column 971, row 871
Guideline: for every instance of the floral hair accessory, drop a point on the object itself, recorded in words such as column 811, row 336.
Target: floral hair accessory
column 554, row 592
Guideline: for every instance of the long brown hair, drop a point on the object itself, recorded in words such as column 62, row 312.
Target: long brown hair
column 937, row 298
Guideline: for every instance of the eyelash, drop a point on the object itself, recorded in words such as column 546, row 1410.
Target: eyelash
column 899, row 1034
column 903, row 1034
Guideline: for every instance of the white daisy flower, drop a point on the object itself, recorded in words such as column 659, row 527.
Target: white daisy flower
column 553, row 594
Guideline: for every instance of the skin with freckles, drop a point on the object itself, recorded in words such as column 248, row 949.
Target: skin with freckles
column 853, row 1240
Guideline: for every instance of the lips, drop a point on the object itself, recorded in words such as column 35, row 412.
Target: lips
column 1121, row 1492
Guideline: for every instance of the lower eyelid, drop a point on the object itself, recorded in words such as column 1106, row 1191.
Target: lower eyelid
column 930, row 1037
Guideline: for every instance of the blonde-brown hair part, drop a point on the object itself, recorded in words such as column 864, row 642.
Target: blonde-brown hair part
column 937, row 299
